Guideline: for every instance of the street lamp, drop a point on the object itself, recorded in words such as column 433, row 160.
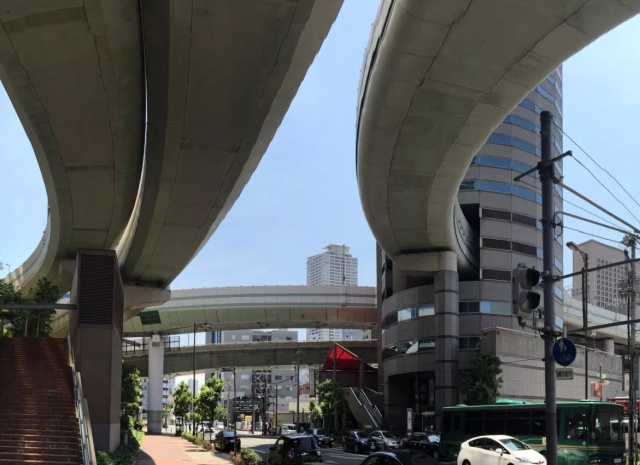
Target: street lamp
column 585, row 301
column 193, row 397
column 235, row 431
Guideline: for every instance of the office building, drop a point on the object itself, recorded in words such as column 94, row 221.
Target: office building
column 335, row 267
column 424, row 348
column 603, row 286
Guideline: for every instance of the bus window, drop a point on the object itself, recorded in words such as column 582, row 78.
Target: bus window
column 456, row 422
column 604, row 419
column 576, row 426
column 518, row 422
column 473, row 424
column 538, row 426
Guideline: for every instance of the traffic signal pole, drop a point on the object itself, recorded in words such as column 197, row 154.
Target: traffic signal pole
column 547, row 180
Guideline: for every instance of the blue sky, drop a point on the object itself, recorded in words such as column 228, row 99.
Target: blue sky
column 304, row 196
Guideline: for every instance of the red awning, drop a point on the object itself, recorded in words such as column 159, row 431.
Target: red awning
column 345, row 360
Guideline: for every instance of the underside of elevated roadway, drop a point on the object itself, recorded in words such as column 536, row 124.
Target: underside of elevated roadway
column 438, row 77
column 246, row 356
column 148, row 118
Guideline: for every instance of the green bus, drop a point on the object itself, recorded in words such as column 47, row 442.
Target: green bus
column 588, row 431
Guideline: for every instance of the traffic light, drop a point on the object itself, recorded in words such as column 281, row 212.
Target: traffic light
column 525, row 300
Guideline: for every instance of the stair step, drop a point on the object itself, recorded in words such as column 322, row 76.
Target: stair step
column 40, row 458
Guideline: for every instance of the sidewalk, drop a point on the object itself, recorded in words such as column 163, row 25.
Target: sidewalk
column 170, row 450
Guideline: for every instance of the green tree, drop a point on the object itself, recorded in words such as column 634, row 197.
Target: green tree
column 221, row 414
column 315, row 412
column 332, row 401
column 130, row 402
column 8, row 295
column 208, row 399
column 481, row 385
column 37, row 323
column 182, row 401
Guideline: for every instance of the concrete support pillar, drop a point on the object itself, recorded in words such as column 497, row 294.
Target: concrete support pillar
column 96, row 335
column 156, row 375
column 608, row 346
column 446, row 360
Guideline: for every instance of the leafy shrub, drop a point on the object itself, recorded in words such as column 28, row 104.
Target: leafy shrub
column 246, row 457
column 197, row 440
column 124, row 454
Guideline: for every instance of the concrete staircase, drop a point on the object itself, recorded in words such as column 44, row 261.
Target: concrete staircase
column 38, row 422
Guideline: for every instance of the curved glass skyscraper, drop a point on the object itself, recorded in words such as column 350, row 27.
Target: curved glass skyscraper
column 506, row 215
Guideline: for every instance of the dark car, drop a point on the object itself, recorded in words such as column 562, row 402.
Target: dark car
column 400, row 457
column 359, row 442
column 225, row 440
column 322, row 436
column 296, row 449
column 429, row 442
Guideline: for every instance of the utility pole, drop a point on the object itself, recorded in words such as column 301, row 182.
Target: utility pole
column 547, row 179
column 253, row 401
column 630, row 241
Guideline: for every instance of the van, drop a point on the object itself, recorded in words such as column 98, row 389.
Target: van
column 287, row 429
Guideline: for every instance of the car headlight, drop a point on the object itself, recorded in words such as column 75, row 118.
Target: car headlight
column 524, row 459
column 363, row 441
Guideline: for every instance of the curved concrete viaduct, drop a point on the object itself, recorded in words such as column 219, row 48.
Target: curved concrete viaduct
column 222, row 76
column 438, row 77
column 218, row 78
column 74, row 73
column 242, row 356
column 227, row 308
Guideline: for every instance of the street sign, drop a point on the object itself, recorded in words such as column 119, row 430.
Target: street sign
column 564, row 373
column 564, row 352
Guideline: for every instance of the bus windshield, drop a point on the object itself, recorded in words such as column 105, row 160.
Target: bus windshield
column 606, row 421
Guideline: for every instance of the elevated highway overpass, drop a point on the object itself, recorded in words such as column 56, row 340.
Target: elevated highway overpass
column 148, row 118
column 438, row 78
column 265, row 355
column 253, row 307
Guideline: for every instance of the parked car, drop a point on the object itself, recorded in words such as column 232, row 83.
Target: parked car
column 296, row 449
column 322, row 436
column 385, row 439
column 428, row 442
column 225, row 440
column 497, row 450
column 400, row 457
column 358, row 441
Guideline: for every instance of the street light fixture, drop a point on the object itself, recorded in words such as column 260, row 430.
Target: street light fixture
column 193, row 397
column 585, row 302
column 233, row 418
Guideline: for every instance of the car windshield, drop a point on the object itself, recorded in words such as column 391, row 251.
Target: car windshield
column 321, row 432
column 360, row 434
column 514, row 444
column 228, row 434
column 434, row 438
column 387, row 435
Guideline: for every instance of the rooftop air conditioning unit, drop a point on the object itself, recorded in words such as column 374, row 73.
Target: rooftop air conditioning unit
column 155, row 340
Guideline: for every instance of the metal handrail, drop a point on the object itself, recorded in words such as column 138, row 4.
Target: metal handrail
column 368, row 412
column 371, row 404
column 82, row 412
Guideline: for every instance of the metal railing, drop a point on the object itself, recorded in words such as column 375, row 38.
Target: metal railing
column 354, row 394
column 374, row 408
column 82, row 412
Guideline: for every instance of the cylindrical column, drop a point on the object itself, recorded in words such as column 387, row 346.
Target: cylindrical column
column 608, row 346
column 446, row 360
column 156, row 374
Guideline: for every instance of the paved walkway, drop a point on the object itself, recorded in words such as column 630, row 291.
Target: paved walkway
column 171, row 450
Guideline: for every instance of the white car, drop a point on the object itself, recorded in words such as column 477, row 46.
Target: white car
column 497, row 450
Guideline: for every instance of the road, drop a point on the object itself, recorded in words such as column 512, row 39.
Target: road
column 333, row 456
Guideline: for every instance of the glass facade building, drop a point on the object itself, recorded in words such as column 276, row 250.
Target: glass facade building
column 506, row 216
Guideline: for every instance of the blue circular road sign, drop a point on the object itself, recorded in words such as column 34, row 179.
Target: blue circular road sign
column 564, row 352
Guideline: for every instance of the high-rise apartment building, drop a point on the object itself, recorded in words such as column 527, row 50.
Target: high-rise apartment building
column 427, row 344
column 335, row 267
column 603, row 286
column 168, row 387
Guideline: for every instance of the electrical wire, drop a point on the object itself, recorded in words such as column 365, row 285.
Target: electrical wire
column 593, row 235
column 606, row 188
column 598, row 165
column 591, row 213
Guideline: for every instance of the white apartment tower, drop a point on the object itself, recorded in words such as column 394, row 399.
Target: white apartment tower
column 335, row 267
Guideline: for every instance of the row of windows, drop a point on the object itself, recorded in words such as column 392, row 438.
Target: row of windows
column 502, row 188
column 502, row 244
column 416, row 311
column 426, row 345
column 547, row 96
column 530, row 126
